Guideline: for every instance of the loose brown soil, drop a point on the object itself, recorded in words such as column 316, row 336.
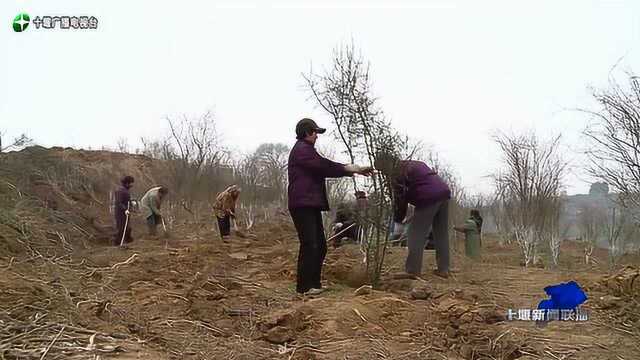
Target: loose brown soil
column 201, row 298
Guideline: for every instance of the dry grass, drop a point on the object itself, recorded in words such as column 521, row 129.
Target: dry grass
column 64, row 294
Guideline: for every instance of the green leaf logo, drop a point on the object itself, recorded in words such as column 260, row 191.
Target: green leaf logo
column 21, row 22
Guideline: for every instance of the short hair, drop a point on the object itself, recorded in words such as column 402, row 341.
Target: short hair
column 163, row 190
column 127, row 180
column 386, row 161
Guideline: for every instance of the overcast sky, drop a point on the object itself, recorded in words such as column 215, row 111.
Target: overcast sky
column 447, row 72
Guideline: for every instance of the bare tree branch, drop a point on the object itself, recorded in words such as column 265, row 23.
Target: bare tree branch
column 20, row 141
column 528, row 188
column 614, row 137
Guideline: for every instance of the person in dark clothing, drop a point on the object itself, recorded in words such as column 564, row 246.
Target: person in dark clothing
column 345, row 218
column 307, row 171
column 416, row 183
column 122, row 211
column 475, row 215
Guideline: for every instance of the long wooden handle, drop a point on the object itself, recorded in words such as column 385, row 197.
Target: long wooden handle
column 126, row 223
column 341, row 231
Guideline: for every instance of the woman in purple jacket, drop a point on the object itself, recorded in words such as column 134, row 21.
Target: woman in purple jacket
column 417, row 184
column 122, row 211
column 308, row 198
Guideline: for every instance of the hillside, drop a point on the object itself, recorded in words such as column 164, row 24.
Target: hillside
column 65, row 293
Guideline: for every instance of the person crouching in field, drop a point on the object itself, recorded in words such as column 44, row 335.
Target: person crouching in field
column 471, row 229
column 122, row 212
column 224, row 209
column 307, row 171
column 150, row 205
column 345, row 224
column 416, row 183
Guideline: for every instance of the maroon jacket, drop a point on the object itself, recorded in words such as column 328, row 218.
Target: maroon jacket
column 418, row 185
column 122, row 197
column 307, row 173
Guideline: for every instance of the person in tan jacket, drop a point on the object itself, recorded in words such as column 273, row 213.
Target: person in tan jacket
column 224, row 209
column 150, row 206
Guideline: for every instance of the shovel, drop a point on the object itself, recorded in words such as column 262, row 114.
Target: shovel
column 124, row 232
column 240, row 233
column 236, row 229
column 166, row 234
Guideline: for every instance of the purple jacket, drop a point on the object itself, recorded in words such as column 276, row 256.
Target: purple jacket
column 307, row 173
column 419, row 185
column 122, row 197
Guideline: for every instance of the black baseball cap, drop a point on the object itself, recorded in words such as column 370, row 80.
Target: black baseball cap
column 306, row 126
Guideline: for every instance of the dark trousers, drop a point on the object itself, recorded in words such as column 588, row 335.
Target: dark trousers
column 224, row 224
column 152, row 224
column 121, row 219
column 435, row 217
column 313, row 247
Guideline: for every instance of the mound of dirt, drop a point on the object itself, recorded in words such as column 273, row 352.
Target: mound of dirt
column 282, row 326
column 625, row 283
column 621, row 298
column 344, row 265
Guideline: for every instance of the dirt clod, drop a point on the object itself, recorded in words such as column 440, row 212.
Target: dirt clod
column 363, row 290
column 451, row 332
column 492, row 316
column 279, row 335
column 609, row 301
column 420, row 293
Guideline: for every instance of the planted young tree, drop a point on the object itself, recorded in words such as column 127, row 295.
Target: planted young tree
column 344, row 92
column 620, row 231
column 499, row 213
column 553, row 230
column 529, row 183
column 615, row 240
column 592, row 226
column 339, row 190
